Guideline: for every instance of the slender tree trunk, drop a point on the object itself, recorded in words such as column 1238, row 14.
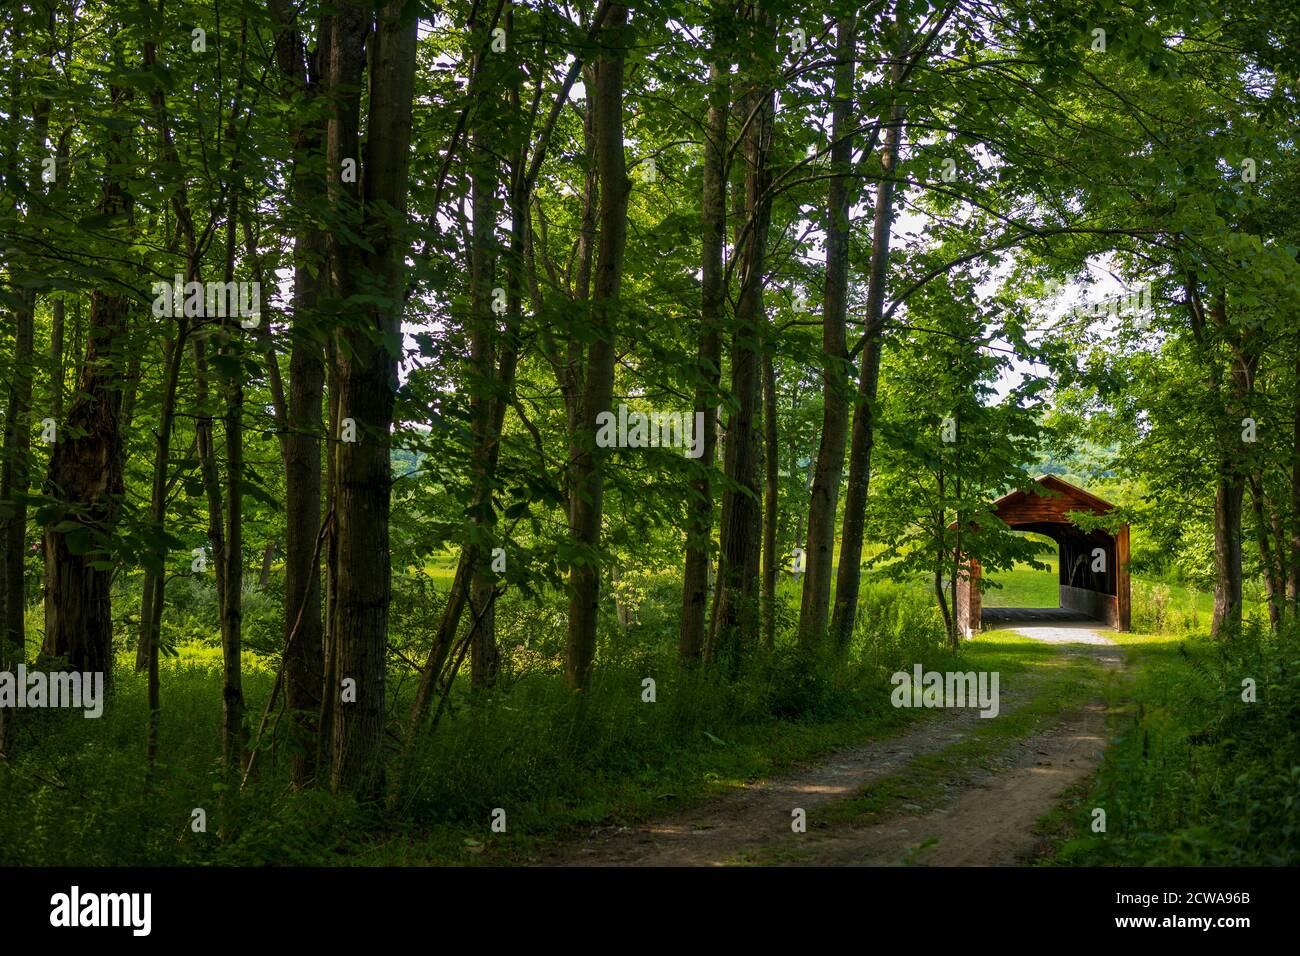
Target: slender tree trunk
column 151, row 598
column 588, row 505
column 713, row 218
column 131, row 389
column 942, row 599
column 824, row 502
column 154, row 584
column 485, row 178
column 234, row 736
column 570, row 371
column 1274, row 583
column 304, row 670
column 209, row 472
column 474, row 578
column 1228, row 499
column 735, row 618
column 330, row 682
column 573, row 377
column 14, row 483
column 58, row 310
column 771, row 499
column 78, row 342
column 485, row 660
column 1227, row 551
column 1293, row 569
column 954, row 633
column 14, row 480
column 848, row 578
column 15, row 473
column 268, row 563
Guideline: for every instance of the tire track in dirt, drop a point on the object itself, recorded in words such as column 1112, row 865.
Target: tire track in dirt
column 989, row 821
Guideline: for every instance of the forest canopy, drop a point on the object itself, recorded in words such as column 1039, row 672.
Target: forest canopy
column 410, row 361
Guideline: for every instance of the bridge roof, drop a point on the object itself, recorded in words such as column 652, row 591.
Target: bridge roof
column 1058, row 497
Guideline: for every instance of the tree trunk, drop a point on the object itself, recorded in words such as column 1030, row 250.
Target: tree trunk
column 1227, row 552
column 1229, row 494
column 584, row 577
column 85, row 472
column 301, row 445
column 1293, row 570
column 485, row 176
column 268, row 563
column 330, row 683
column 367, row 368
column 233, row 737
column 1274, row 581
column 848, row 578
column 15, row 473
column 474, row 579
column 771, row 499
column 56, row 360
column 14, row 480
column 713, row 206
column 735, row 618
column 151, row 596
column 209, row 472
column 824, row 502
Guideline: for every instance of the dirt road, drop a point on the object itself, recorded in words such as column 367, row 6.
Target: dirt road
column 986, row 818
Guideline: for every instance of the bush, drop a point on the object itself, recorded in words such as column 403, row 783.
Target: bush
column 1199, row 776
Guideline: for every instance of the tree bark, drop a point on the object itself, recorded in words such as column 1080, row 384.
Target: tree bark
column 824, row 502
column 367, row 366
column 151, row 596
column 771, row 500
column 234, row 736
column 56, row 360
column 85, row 471
column 1293, row 569
column 1229, row 494
column 1274, row 580
column 15, row 473
column 735, row 613
column 268, row 563
column 713, row 225
column 485, row 176
column 1227, row 552
column 209, row 472
column 584, row 577
column 304, row 670
column 848, row 578
column 15, row 480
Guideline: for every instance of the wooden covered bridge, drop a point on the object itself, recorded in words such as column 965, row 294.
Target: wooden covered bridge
column 1097, row 589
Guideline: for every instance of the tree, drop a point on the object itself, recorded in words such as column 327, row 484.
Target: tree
column 607, row 128
column 368, row 275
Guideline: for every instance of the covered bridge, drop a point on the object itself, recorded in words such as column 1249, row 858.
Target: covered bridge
column 1096, row 588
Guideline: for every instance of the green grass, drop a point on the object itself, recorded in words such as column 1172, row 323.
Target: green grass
column 1195, row 775
column 1024, row 586
column 75, row 792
